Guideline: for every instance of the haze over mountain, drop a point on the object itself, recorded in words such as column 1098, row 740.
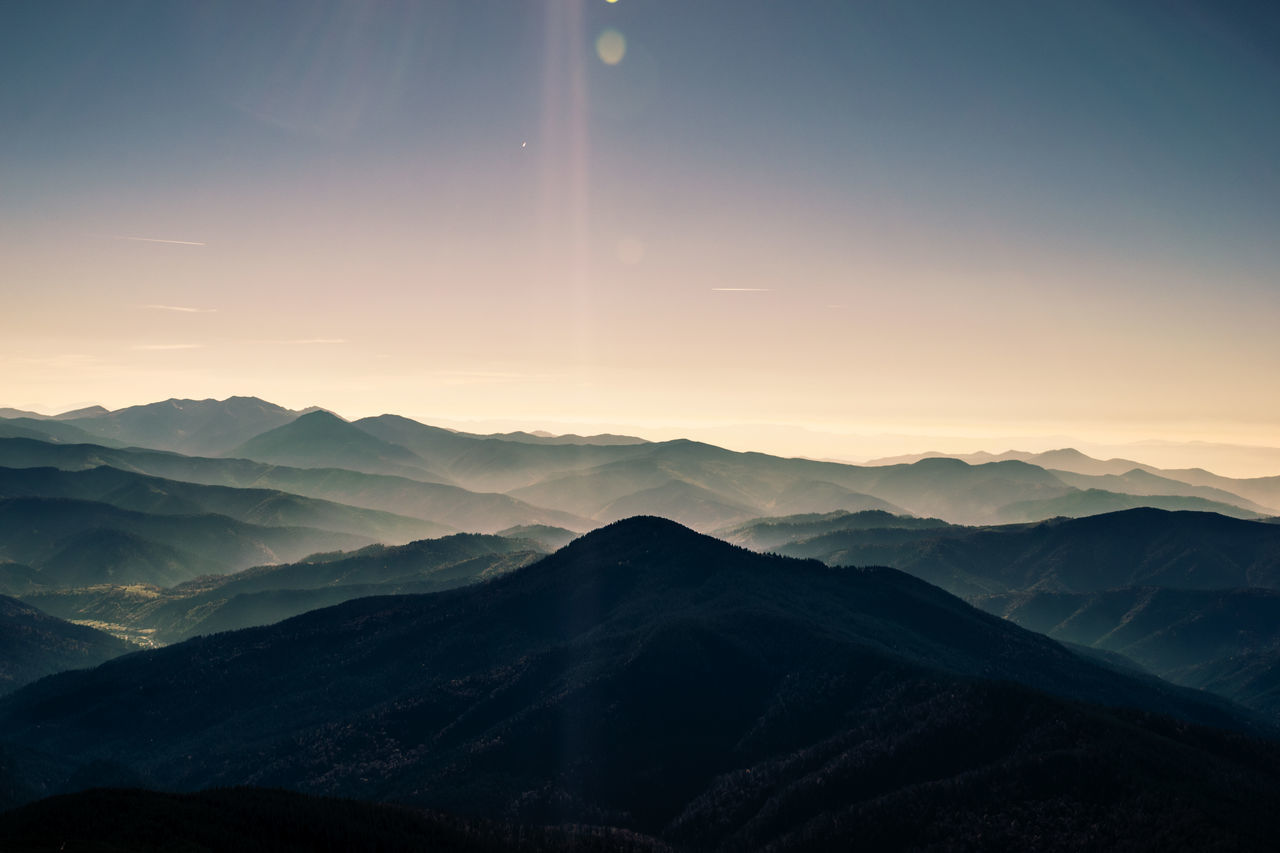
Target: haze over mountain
column 151, row 615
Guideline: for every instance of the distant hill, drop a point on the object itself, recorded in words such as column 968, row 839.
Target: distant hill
column 444, row 504
column 550, row 538
column 767, row 534
column 201, row 427
column 1140, row 547
column 268, row 507
column 34, row 644
column 73, row 543
column 50, row 430
column 323, row 440
column 266, row 594
column 649, row 678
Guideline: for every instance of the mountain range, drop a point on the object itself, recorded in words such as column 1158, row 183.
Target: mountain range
column 372, row 609
column 649, row 678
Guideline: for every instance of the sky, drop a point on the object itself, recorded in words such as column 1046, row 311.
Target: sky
column 753, row 221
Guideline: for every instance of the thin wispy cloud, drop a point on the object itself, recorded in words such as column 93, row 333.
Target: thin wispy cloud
column 153, row 347
column 742, row 289
column 180, row 308
column 157, row 240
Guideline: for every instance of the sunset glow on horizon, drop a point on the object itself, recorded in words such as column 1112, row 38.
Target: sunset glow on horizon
column 869, row 219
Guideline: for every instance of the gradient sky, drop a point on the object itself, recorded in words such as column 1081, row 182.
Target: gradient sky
column 937, row 218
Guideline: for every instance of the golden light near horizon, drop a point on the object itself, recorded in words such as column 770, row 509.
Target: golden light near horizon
column 611, row 47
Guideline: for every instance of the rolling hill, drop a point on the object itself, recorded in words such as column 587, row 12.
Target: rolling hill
column 650, row 678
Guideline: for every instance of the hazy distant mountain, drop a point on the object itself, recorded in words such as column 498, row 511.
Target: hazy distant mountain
column 1263, row 490
column 1096, row 502
column 1140, row 482
column 74, row 543
column 650, row 678
column 8, row 413
column 324, row 440
column 85, row 412
column 767, row 534
column 34, row 644
column 550, row 538
column 443, row 504
column 1226, row 641
column 1261, row 494
column 266, row 594
column 603, row 439
column 204, row 427
column 50, row 430
column 273, row 508
column 1063, row 459
column 1140, row 547
column 492, row 463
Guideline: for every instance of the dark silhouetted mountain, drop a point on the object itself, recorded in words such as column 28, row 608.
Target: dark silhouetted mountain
column 1226, row 641
column 324, row 440
column 250, row 820
column 1141, row 547
column 266, row 594
column 767, row 534
column 34, row 644
column 98, row 543
column 204, row 427
column 267, row 507
column 449, row 505
column 651, row 678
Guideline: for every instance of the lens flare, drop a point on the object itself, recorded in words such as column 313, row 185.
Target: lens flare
column 611, row 47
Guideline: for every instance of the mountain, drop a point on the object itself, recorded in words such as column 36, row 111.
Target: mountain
column 1261, row 494
column 254, row 819
column 1140, row 482
column 493, row 463
column 654, row 679
column 1225, row 641
column 448, row 505
column 49, row 430
column 9, row 413
column 1078, row 504
column 266, row 594
column 602, row 440
column 1064, row 459
column 203, row 427
column 34, row 644
column 767, row 534
column 75, row 543
column 1140, row 547
column 267, row 507
column 548, row 538
column 324, row 440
